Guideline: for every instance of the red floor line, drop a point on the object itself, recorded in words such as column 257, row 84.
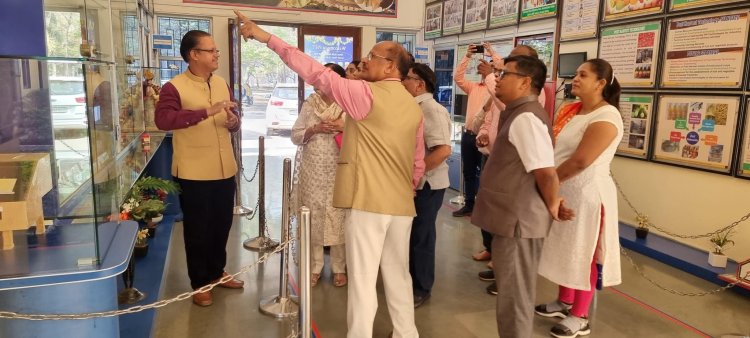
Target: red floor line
column 293, row 283
column 661, row 313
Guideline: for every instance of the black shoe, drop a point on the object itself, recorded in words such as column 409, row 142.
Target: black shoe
column 492, row 289
column 465, row 211
column 487, row 276
column 419, row 300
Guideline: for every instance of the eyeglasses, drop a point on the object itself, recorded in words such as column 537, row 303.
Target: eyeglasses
column 412, row 78
column 213, row 51
column 371, row 54
column 501, row 74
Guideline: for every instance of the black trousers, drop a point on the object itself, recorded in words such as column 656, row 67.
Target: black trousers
column 422, row 242
column 486, row 236
column 472, row 160
column 207, row 217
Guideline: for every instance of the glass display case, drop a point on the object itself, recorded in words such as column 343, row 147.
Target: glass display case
column 67, row 159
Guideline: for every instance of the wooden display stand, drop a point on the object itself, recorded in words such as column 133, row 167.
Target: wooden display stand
column 24, row 179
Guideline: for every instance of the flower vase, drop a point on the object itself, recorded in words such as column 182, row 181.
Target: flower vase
column 151, row 225
column 140, row 250
column 717, row 260
column 641, row 233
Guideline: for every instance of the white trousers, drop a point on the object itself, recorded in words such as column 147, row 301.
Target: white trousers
column 374, row 240
column 338, row 258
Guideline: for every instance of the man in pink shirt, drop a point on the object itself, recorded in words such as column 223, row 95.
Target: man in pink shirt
column 381, row 163
column 478, row 95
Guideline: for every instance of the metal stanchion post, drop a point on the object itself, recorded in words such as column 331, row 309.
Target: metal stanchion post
column 262, row 242
column 305, row 316
column 282, row 306
column 239, row 209
column 460, row 199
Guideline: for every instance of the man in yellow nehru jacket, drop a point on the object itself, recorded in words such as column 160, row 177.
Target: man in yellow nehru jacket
column 198, row 107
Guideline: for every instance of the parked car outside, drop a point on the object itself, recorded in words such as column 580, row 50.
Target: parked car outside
column 282, row 108
column 68, row 102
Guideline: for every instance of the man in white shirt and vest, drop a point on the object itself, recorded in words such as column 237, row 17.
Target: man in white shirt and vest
column 519, row 193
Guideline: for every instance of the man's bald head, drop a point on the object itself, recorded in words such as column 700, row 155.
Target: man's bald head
column 524, row 50
column 399, row 55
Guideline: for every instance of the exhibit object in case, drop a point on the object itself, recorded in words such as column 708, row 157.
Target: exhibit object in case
column 697, row 131
column 24, row 179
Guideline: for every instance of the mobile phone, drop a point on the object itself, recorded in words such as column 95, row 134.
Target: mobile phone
column 479, row 49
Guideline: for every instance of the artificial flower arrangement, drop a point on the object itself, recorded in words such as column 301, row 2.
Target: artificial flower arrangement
column 146, row 199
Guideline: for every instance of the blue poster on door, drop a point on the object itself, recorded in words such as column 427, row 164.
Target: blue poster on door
column 22, row 22
column 330, row 49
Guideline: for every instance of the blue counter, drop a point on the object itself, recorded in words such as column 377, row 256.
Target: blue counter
column 90, row 288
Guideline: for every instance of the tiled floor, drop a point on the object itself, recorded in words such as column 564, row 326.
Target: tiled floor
column 459, row 307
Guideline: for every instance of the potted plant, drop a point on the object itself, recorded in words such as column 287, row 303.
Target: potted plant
column 149, row 212
column 720, row 240
column 141, row 243
column 642, row 230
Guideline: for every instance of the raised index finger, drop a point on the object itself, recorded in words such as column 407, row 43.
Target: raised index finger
column 241, row 16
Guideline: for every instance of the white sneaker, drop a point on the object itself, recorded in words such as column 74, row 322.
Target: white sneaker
column 571, row 327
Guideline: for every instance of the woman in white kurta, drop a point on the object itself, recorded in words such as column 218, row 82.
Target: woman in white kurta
column 586, row 138
column 319, row 121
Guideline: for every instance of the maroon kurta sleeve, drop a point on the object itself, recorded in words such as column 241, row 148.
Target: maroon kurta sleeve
column 169, row 114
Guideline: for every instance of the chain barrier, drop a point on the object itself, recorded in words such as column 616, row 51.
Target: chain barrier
column 643, row 221
column 677, row 292
column 82, row 316
column 257, row 165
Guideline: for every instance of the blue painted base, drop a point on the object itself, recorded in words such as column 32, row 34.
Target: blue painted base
column 678, row 255
column 149, row 273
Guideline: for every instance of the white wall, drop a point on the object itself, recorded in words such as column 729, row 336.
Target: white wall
column 410, row 17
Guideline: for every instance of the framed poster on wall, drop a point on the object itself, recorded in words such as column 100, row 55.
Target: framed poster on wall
column 544, row 45
column 621, row 9
column 744, row 167
column 475, row 15
column 633, row 51
column 697, row 131
column 370, row 8
column 433, row 18
column 503, row 13
column 538, row 9
column 679, row 5
column 453, row 14
column 706, row 51
column 637, row 110
column 579, row 19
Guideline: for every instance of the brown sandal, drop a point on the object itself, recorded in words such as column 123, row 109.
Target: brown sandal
column 314, row 279
column 339, row 279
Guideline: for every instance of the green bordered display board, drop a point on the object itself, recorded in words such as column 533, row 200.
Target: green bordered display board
column 706, row 51
column 626, row 9
column 633, row 51
column 503, row 13
column 453, row 15
column 580, row 19
column 433, row 20
column 475, row 15
column 536, row 9
column 637, row 110
column 679, row 5
column 744, row 166
column 697, row 130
